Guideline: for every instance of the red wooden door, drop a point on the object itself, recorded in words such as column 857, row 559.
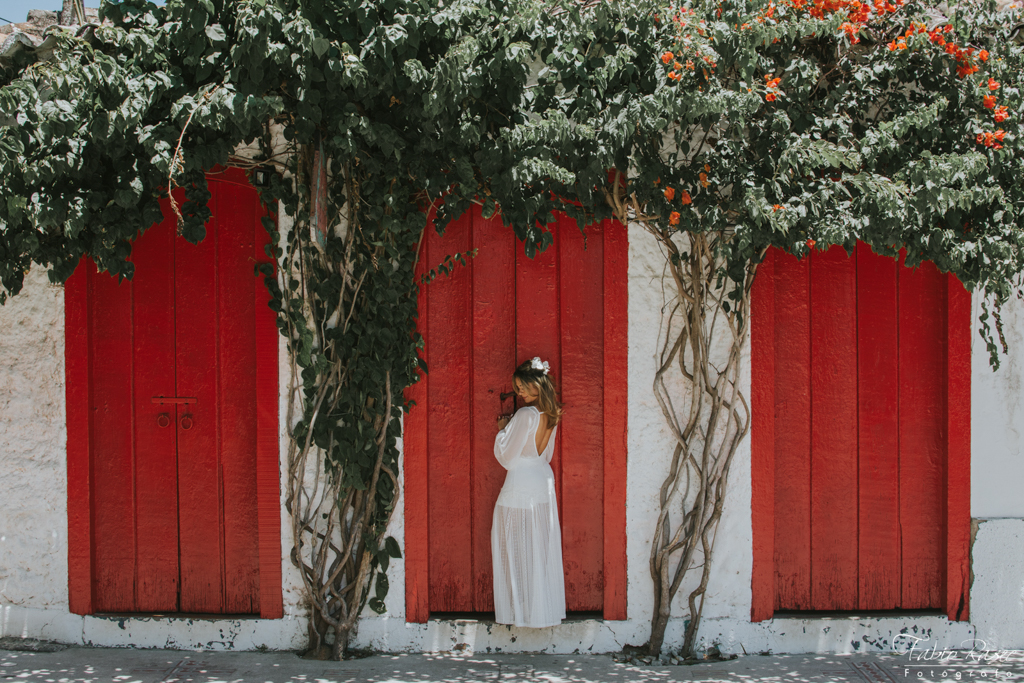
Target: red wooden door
column 862, row 368
column 172, row 422
column 478, row 324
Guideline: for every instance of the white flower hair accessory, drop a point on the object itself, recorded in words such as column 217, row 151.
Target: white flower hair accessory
column 537, row 364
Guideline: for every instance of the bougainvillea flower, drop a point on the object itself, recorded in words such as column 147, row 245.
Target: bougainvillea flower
column 670, row 193
column 810, row 244
column 990, row 101
column 673, row 218
column 983, row 55
column 685, row 197
column 993, row 84
column 1001, row 115
column 666, row 57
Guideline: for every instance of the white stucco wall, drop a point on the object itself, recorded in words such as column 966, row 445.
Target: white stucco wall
column 33, row 519
column 33, row 480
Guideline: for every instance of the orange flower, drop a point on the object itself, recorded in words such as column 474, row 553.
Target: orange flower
column 776, row 207
column 673, row 75
column 983, row 55
column 666, row 57
column 810, row 244
column 770, row 97
column 707, row 167
column 1001, row 115
column 704, row 179
column 673, row 218
column 670, row 193
column 685, row 197
column 990, row 101
column 993, row 84
column 677, row 66
column 999, row 134
column 689, row 64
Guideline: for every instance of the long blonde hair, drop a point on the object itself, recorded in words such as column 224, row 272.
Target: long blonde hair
column 547, row 400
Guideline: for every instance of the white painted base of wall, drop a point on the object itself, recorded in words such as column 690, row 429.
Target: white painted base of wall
column 173, row 633
column 778, row 636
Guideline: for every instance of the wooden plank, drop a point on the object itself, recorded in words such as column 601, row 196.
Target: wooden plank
column 493, row 360
column 414, row 456
column 923, row 423
column 268, row 466
column 450, row 516
column 792, row 542
column 538, row 334
column 113, row 494
column 235, row 365
column 581, row 312
column 538, row 328
column 958, row 470
column 833, row 435
column 76, row 372
column 201, row 517
column 155, row 445
column 877, row 406
column 616, row 392
column 762, row 438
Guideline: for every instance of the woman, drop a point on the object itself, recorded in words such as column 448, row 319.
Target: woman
column 526, row 544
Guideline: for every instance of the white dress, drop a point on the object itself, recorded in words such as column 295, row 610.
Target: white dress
column 526, row 543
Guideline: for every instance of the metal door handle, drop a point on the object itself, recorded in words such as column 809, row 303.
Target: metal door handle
column 186, row 422
column 163, row 420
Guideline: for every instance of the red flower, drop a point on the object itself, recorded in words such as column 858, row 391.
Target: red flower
column 776, row 207
column 685, row 197
column 1001, row 115
column 993, row 84
column 990, row 101
column 673, row 218
column 670, row 193
column 983, row 55
column 810, row 244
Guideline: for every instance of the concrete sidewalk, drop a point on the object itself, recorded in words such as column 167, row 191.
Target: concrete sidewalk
column 99, row 665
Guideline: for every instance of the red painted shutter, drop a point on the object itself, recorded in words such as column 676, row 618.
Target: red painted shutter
column 169, row 497
column 851, row 373
column 500, row 309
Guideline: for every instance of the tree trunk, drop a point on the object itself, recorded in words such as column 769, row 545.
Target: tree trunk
column 72, row 13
